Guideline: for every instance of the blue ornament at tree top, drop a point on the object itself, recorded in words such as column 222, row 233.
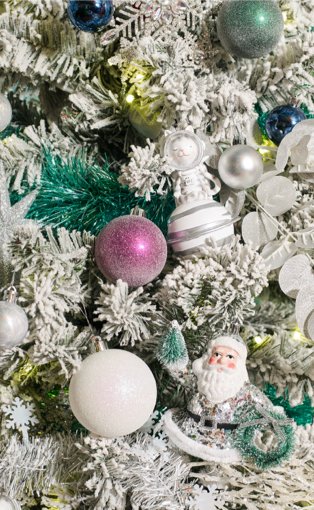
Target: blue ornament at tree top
column 281, row 120
column 90, row 15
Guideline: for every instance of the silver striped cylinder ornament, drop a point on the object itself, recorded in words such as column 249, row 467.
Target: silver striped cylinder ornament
column 192, row 223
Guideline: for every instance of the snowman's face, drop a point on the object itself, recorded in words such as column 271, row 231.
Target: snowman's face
column 183, row 150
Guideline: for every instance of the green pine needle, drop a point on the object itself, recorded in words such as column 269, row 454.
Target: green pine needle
column 81, row 196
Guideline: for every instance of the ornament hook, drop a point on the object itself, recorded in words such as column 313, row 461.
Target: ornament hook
column 99, row 344
column 11, row 294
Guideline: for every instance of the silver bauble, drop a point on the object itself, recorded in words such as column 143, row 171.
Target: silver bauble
column 5, row 112
column 7, row 503
column 13, row 325
column 240, row 167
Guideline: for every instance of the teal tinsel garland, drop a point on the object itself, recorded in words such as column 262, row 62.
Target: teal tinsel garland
column 10, row 130
column 81, row 196
column 244, row 439
column 302, row 414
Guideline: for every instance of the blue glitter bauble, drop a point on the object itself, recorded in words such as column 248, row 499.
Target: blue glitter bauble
column 90, row 15
column 281, row 121
column 249, row 28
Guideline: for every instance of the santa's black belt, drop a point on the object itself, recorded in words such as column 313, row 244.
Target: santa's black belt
column 213, row 424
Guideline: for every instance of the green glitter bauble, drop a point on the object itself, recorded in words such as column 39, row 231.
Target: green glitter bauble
column 249, row 28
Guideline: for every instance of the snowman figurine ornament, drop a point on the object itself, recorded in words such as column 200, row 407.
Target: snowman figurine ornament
column 198, row 216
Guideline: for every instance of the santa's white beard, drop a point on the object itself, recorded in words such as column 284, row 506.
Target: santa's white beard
column 217, row 386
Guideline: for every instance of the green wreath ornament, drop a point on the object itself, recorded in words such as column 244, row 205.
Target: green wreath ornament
column 253, row 418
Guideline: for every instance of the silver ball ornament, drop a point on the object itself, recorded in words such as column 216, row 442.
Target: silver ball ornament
column 5, row 112
column 240, row 167
column 13, row 325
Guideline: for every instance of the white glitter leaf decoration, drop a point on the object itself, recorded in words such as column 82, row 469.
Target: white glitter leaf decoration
column 294, row 274
column 276, row 253
column 277, row 195
column 305, row 238
column 304, row 128
column 304, row 310
column 258, row 229
column 232, row 200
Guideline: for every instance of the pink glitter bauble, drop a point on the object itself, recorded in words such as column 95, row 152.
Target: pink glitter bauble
column 132, row 249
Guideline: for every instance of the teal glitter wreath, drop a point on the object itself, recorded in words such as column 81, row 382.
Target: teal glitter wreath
column 244, row 437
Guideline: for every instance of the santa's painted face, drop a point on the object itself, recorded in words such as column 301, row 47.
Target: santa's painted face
column 183, row 150
column 223, row 357
column 221, row 373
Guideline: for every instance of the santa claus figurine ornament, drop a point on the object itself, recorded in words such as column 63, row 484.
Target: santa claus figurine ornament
column 229, row 419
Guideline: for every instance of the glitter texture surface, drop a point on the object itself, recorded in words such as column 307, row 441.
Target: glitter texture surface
column 113, row 393
column 90, row 15
column 219, row 413
column 249, row 28
column 131, row 248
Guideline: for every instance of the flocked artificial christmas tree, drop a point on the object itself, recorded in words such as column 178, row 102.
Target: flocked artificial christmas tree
column 123, row 366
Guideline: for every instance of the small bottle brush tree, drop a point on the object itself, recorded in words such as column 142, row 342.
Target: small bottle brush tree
column 172, row 352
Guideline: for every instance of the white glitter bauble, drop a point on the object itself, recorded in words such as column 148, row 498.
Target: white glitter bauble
column 13, row 325
column 113, row 393
column 7, row 503
column 192, row 223
column 5, row 114
column 240, row 167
